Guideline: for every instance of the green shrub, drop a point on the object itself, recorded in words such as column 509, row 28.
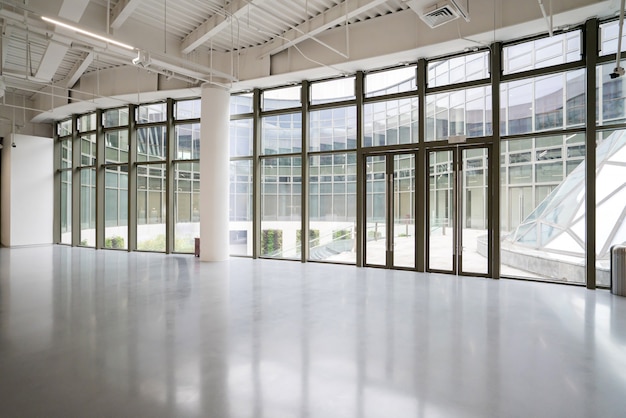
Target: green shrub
column 155, row 244
column 314, row 238
column 271, row 241
column 341, row 234
column 115, row 242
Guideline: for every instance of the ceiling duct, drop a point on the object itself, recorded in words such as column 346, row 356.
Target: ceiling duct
column 439, row 13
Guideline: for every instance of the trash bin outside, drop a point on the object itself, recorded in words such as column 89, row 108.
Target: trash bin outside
column 618, row 270
column 196, row 247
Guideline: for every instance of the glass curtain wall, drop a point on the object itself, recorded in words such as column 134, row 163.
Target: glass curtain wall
column 116, row 148
column 542, row 195
column 465, row 113
column 281, row 173
column 186, row 164
column 390, row 124
column 241, row 174
column 64, row 134
column 152, row 154
column 87, row 170
column 332, row 172
column 610, row 153
column 542, row 157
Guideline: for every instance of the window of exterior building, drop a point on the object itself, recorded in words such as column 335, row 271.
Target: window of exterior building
column 150, row 113
column 555, row 101
column 282, row 98
column 332, row 129
column 281, row 134
column 609, row 34
column 541, row 53
column 332, row 207
column 390, row 122
column 459, row 112
column 241, row 104
column 115, row 117
column 397, row 80
column 187, row 109
column 337, row 90
column 458, row 69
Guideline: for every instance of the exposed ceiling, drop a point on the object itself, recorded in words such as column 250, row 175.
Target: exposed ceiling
column 184, row 39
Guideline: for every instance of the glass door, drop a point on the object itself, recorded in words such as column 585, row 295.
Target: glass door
column 390, row 210
column 458, row 211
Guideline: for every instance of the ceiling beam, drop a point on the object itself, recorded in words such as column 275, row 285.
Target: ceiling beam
column 215, row 24
column 122, row 11
column 330, row 18
column 71, row 10
column 79, row 69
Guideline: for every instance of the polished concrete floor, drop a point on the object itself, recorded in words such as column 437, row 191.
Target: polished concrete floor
column 87, row 333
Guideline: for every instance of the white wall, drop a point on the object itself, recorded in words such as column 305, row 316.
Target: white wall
column 27, row 191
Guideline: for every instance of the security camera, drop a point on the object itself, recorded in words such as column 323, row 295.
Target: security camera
column 617, row 72
column 142, row 59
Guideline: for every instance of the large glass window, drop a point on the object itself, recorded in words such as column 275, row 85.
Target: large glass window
column 390, row 122
column 66, row 207
column 543, row 52
column 282, row 98
column 458, row 69
column 332, row 129
column 337, row 90
column 64, row 128
column 115, row 117
column 282, row 134
column 241, row 103
column 542, row 160
column 188, row 141
column 151, row 143
column 186, row 206
column 66, row 153
column 116, row 207
column 609, row 32
column 281, row 184
column 332, row 207
column 611, row 96
column 459, row 112
column 240, row 208
column 116, row 146
column 87, row 122
column 154, row 112
column 610, row 199
column 88, row 207
column 188, row 109
column 396, row 80
column 241, row 181
column 555, row 101
column 542, row 212
column 88, row 150
column 151, row 207
column 241, row 137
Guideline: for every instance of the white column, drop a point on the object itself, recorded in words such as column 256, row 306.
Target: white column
column 214, row 173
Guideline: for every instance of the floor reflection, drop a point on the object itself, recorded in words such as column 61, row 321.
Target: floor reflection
column 138, row 334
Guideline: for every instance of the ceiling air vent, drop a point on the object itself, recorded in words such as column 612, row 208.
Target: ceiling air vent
column 442, row 12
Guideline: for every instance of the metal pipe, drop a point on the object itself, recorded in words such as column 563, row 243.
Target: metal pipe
column 546, row 18
column 618, row 54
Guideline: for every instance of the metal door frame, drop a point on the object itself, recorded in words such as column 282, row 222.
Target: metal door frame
column 389, row 207
column 457, row 189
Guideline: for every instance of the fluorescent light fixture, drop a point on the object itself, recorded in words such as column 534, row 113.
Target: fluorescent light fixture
column 84, row 32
